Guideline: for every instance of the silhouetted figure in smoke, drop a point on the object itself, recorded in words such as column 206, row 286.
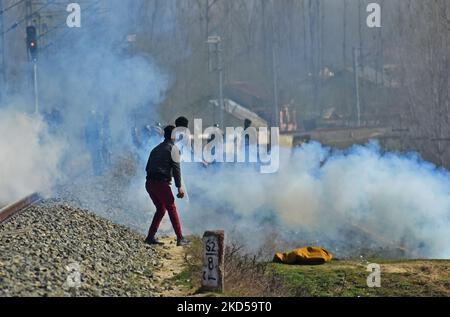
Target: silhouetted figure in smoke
column 143, row 136
column 181, row 123
column 54, row 120
column 247, row 124
column 245, row 143
column 105, row 139
column 211, row 138
column 161, row 168
column 94, row 136
column 156, row 131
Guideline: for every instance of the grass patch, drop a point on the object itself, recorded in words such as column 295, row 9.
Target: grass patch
column 247, row 276
column 348, row 279
column 189, row 278
column 184, row 279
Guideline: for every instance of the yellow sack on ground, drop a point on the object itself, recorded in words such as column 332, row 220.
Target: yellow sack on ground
column 307, row 255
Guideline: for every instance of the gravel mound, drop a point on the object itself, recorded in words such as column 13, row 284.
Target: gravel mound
column 118, row 195
column 53, row 249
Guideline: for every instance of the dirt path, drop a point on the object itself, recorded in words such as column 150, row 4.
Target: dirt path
column 172, row 263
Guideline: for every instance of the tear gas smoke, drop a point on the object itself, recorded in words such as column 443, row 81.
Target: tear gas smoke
column 317, row 197
column 29, row 157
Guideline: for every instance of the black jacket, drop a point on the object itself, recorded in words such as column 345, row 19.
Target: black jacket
column 161, row 166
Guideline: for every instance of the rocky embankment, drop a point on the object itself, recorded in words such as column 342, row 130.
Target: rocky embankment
column 53, row 249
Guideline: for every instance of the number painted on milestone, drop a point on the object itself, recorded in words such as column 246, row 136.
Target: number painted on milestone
column 211, row 246
column 374, row 278
column 74, row 18
column 210, row 272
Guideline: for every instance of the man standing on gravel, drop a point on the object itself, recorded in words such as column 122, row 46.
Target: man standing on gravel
column 161, row 168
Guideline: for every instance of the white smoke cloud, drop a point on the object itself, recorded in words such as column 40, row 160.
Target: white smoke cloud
column 87, row 69
column 91, row 76
column 396, row 200
column 28, row 157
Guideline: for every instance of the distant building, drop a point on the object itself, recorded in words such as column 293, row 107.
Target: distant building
column 251, row 97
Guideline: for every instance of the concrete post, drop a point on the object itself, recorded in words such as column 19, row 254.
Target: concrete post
column 213, row 261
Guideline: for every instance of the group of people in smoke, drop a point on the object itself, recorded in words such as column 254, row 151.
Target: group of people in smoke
column 98, row 142
column 161, row 169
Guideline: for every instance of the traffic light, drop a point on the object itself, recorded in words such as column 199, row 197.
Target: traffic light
column 32, row 43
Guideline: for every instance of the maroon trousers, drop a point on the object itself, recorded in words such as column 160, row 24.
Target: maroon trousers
column 162, row 196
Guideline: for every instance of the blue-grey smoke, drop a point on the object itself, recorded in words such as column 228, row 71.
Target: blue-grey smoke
column 94, row 88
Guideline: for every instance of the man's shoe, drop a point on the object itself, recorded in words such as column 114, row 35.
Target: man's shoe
column 153, row 241
column 182, row 242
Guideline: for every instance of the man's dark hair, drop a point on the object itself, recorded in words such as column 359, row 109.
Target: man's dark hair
column 182, row 122
column 247, row 124
column 168, row 132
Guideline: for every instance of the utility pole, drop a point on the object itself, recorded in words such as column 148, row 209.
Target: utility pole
column 275, row 70
column 215, row 42
column 2, row 52
column 36, row 88
column 356, row 66
column 28, row 11
column 32, row 49
column 344, row 40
